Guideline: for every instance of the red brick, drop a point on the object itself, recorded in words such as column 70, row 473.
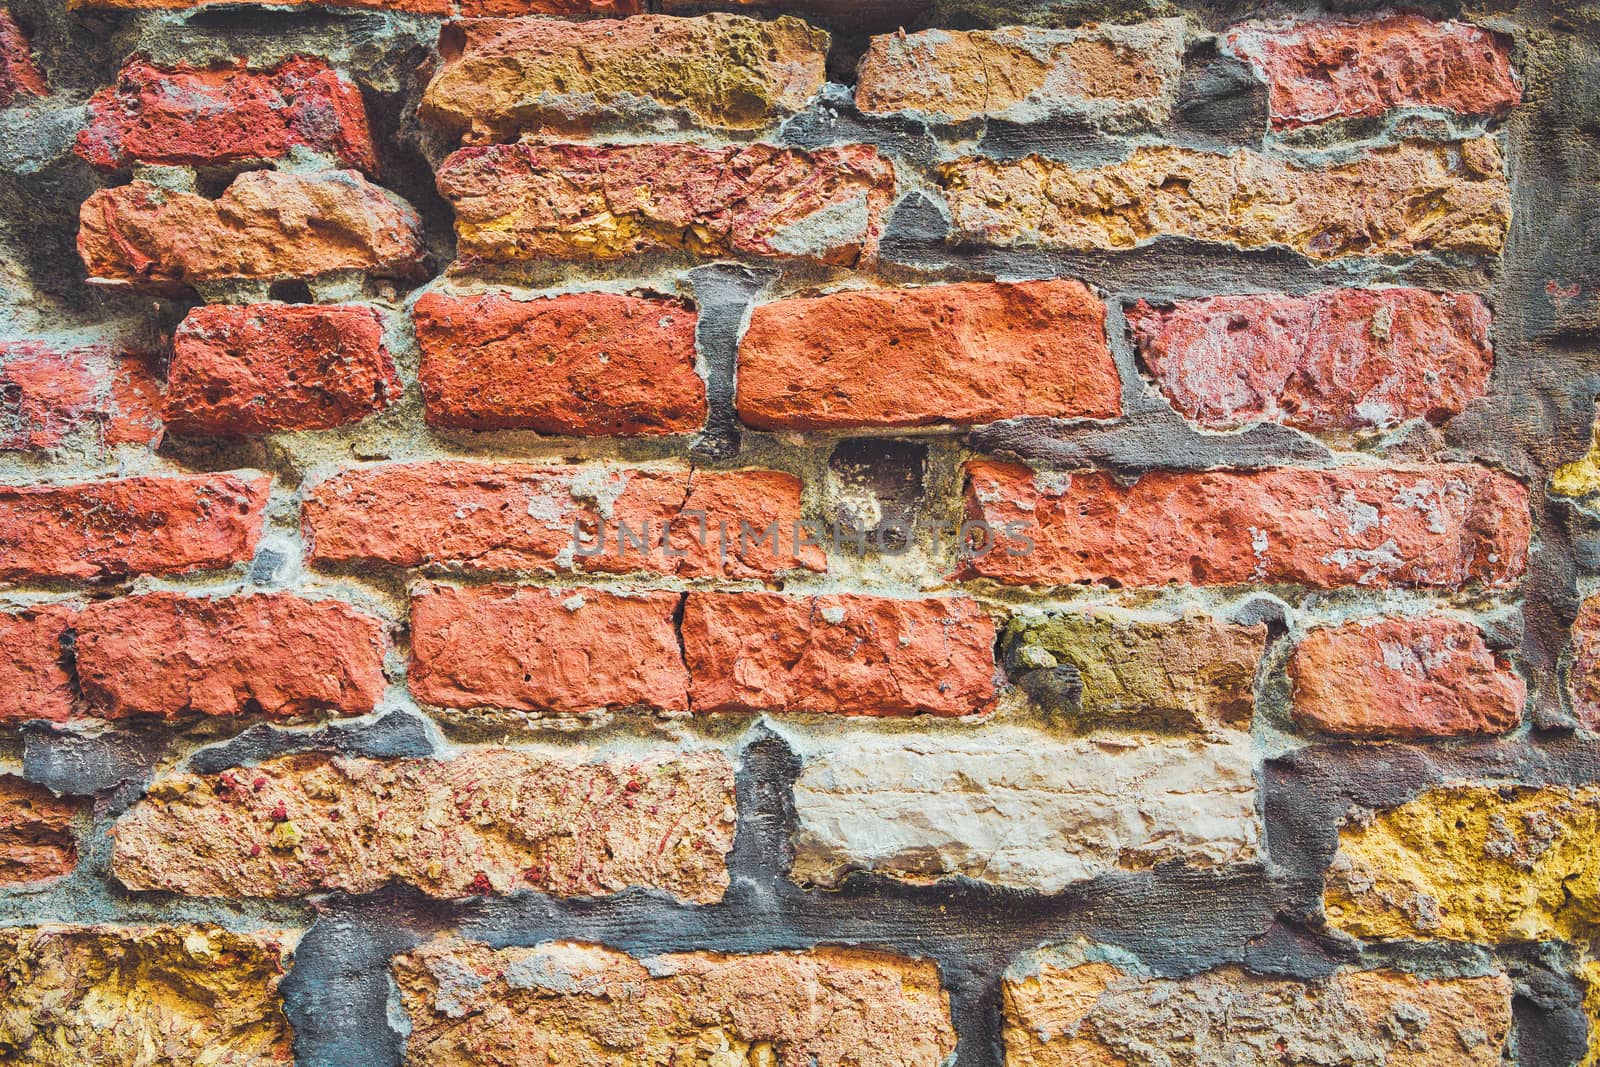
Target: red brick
column 146, row 525
column 840, row 654
column 276, row 654
column 19, row 75
column 1338, row 360
column 267, row 224
column 607, row 202
column 959, row 354
column 580, row 363
column 1432, row 525
column 48, row 394
column 1351, row 67
column 246, row 369
column 1583, row 677
column 191, row 117
column 520, row 517
column 36, row 842
column 546, row 650
column 34, row 680
column 1403, row 677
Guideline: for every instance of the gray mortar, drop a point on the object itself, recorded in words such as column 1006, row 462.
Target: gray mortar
column 1174, row 921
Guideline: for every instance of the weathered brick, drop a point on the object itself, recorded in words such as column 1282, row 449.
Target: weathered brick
column 1109, row 668
column 1589, row 973
column 127, row 526
column 474, row 9
column 1403, row 677
column 1440, row 525
column 500, row 77
column 922, row 809
column 1583, row 676
column 521, row 517
column 34, row 680
column 871, row 15
column 185, row 116
column 1121, row 76
column 838, row 654
column 267, row 224
column 36, row 842
column 49, row 394
column 19, row 75
column 1402, row 199
column 1580, row 479
column 1486, row 863
column 464, row 8
column 608, row 202
column 489, row 820
column 241, row 369
column 414, row 7
column 968, row 353
column 275, row 654
column 590, row 1006
column 556, row 651
column 1074, row 1005
column 1345, row 359
column 1354, row 67
column 177, row 996
column 579, row 363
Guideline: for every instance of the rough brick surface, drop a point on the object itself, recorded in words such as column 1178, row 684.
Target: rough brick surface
column 1400, row 199
column 1023, row 470
column 464, row 8
column 176, row 656
column 1109, row 668
column 579, row 363
column 1471, row 863
column 1338, row 68
column 920, row 809
column 1060, row 1010
column 178, row 996
column 499, row 77
column 1403, row 677
column 267, row 224
column 204, row 117
column 1429, row 525
column 490, row 820
column 417, row 7
column 147, row 525
column 608, row 202
column 942, row 354
column 255, row 368
column 36, row 842
column 1344, row 359
column 519, row 517
column 587, row 1006
column 19, row 75
column 34, row 680
column 855, row 655
column 546, row 650
column 1117, row 75
column 1583, row 677
column 49, row 394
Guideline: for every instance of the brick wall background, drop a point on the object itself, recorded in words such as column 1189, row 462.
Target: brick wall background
column 1262, row 338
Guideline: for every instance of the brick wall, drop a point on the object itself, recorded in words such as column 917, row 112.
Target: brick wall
column 906, row 532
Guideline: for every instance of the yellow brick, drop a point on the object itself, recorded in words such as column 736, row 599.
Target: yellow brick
column 1471, row 863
